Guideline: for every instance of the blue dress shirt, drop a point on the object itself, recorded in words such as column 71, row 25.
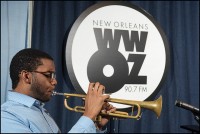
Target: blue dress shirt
column 24, row 114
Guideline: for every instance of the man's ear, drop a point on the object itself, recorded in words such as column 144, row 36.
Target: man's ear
column 26, row 76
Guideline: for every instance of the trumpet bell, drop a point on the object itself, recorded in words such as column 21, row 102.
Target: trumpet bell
column 155, row 106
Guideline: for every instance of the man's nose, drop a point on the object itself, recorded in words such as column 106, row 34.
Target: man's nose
column 54, row 82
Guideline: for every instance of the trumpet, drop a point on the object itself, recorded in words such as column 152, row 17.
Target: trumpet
column 155, row 106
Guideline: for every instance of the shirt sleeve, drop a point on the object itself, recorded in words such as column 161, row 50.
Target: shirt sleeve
column 17, row 125
column 85, row 125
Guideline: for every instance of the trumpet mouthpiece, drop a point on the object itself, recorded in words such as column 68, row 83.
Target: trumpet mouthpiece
column 56, row 93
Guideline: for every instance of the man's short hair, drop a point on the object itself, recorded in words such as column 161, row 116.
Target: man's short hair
column 27, row 59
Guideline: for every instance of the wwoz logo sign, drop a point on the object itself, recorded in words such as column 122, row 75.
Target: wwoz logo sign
column 121, row 46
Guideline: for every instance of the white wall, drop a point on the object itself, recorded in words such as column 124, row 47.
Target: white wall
column 14, row 18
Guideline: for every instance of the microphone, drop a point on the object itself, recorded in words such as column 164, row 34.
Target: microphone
column 186, row 106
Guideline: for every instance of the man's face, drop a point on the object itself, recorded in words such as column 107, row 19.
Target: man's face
column 42, row 83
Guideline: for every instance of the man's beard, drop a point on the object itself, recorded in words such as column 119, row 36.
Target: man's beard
column 38, row 91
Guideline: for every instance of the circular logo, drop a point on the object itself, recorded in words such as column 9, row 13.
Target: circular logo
column 121, row 46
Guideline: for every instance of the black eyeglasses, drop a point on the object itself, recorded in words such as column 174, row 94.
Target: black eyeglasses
column 49, row 75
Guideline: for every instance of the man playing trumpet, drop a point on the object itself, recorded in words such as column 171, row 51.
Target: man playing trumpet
column 33, row 80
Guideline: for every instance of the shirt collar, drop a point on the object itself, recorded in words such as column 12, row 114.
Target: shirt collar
column 24, row 99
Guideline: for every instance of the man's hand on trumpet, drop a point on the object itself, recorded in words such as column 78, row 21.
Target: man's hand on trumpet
column 107, row 108
column 95, row 102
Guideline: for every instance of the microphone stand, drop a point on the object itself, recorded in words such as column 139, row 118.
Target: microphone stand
column 196, row 117
column 192, row 128
column 195, row 111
